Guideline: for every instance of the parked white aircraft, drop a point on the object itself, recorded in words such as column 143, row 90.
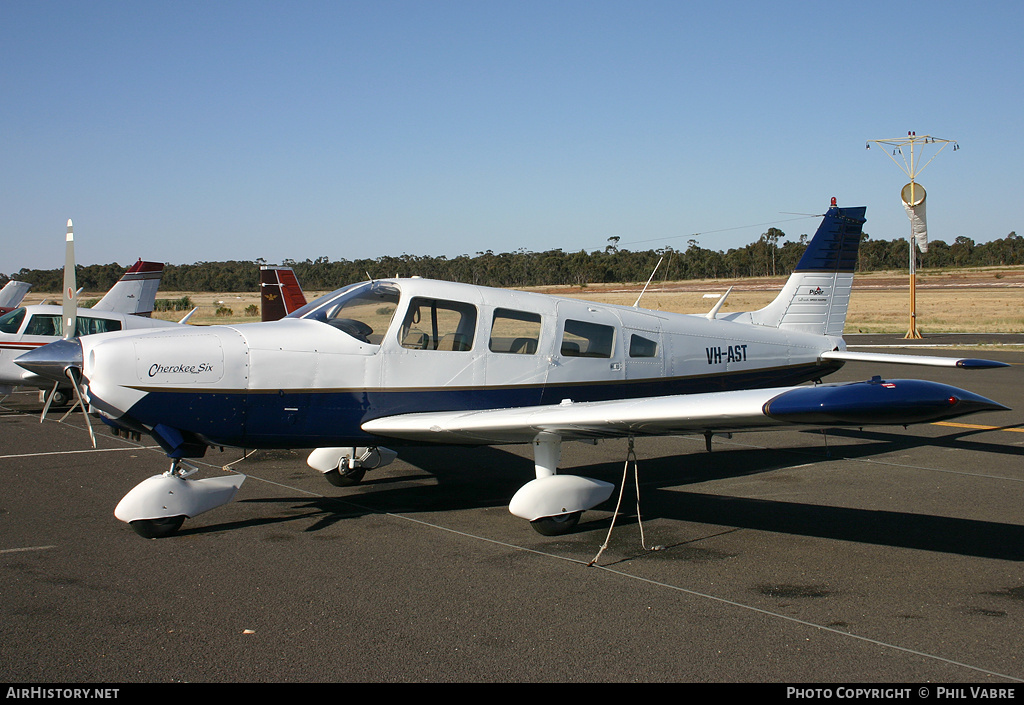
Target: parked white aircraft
column 415, row 360
column 12, row 294
column 126, row 306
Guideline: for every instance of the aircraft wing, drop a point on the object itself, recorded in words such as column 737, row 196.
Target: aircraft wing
column 854, row 404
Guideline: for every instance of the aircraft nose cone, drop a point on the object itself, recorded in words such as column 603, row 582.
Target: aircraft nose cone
column 51, row 360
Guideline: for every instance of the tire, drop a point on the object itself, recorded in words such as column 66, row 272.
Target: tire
column 558, row 525
column 60, row 398
column 157, row 528
column 345, row 479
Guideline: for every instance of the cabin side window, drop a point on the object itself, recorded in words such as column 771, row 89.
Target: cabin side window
column 583, row 339
column 514, row 332
column 640, row 346
column 435, row 324
column 53, row 325
column 87, row 325
column 44, row 324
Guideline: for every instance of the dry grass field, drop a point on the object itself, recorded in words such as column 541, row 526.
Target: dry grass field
column 956, row 301
column 963, row 302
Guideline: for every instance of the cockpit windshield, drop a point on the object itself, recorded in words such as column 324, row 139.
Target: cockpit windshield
column 10, row 322
column 320, row 301
column 364, row 311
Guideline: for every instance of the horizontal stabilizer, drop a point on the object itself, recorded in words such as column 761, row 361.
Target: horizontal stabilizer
column 967, row 363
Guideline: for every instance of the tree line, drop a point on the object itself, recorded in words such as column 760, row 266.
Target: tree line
column 522, row 268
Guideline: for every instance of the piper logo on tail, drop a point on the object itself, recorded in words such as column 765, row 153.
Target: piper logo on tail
column 814, row 294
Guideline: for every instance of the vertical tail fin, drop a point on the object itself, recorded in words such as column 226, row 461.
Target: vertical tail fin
column 135, row 292
column 280, row 293
column 12, row 294
column 817, row 295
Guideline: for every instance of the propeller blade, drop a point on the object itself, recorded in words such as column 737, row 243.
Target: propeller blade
column 70, row 289
column 85, row 411
column 71, row 410
column 49, row 400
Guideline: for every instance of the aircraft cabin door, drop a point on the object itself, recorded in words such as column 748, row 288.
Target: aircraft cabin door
column 588, row 358
column 643, row 346
column 433, row 356
column 518, row 351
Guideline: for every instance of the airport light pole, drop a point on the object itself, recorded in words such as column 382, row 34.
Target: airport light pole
column 913, row 196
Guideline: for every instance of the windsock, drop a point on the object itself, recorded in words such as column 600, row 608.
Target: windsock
column 913, row 196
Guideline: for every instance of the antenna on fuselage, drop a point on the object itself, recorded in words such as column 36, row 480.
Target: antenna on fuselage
column 721, row 300
column 637, row 302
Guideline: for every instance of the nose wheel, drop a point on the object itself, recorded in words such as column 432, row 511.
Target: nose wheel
column 345, row 476
column 157, row 507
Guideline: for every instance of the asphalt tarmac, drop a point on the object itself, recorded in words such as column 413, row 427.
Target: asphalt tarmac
column 883, row 555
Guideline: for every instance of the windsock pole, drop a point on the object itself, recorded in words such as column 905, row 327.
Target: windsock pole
column 913, row 196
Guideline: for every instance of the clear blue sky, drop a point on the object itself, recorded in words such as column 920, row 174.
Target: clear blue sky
column 202, row 131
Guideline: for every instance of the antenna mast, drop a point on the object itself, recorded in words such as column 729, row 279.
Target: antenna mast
column 913, row 196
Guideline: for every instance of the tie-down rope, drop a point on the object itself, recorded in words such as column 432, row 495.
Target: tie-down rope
column 630, row 457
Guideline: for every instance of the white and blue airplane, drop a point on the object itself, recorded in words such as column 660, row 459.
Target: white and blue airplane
column 419, row 361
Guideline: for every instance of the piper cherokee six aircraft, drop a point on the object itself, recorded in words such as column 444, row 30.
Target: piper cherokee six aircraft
column 126, row 306
column 413, row 360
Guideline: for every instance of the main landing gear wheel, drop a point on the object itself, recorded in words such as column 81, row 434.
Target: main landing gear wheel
column 157, row 528
column 345, row 478
column 557, row 525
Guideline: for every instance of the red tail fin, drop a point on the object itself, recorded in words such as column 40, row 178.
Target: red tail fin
column 280, row 293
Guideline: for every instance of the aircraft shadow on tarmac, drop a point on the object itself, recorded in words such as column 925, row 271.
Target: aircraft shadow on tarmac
column 471, row 478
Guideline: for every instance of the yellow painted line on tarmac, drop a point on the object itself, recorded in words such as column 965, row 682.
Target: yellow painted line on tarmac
column 977, row 426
